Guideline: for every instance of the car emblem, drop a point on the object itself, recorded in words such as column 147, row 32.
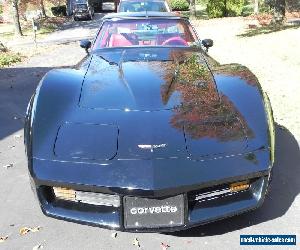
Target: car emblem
column 151, row 147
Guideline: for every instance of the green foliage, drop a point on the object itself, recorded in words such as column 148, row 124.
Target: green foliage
column 247, row 10
column 221, row 8
column 202, row 2
column 179, row 5
column 8, row 58
column 215, row 8
column 1, row 9
column 59, row 10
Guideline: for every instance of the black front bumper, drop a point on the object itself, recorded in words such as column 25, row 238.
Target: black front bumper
column 195, row 212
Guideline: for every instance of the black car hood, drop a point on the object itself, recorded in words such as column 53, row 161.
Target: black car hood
column 189, row 132
column 145, row 80
column 165, row 105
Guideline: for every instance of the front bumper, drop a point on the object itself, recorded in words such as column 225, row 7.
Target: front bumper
column 197, row 211
column 81, row 14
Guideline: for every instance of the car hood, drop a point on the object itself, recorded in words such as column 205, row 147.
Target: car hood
column 147, row 80
column 152, row 105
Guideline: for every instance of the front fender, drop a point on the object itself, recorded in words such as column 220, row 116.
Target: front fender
column 57, row 94
column 237, row 83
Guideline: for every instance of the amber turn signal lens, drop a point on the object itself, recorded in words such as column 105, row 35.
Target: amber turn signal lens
column 239, row 186
column 64, row 193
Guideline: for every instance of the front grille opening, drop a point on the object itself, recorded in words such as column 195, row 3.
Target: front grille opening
column 64, row 194
column 220, row 191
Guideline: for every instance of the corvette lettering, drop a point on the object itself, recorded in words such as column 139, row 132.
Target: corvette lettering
column 151, row 147
column 153, row 210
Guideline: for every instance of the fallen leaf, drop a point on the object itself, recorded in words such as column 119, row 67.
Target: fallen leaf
column 39, row 246
column 136, row 242
column 25, row 230
column 3, row 238
column 35, row 229
column 164, row 246
column 13, row 146
column 8, row 166
column 114, row 235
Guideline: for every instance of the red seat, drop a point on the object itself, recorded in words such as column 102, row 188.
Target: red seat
column 118, row 40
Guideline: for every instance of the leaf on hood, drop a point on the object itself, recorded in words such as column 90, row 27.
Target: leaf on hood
column 136, row 242
column 164, row 246
column 3, row 238
column 39, row 246
column 8, row 166
column 114, row 235
column 25, row 230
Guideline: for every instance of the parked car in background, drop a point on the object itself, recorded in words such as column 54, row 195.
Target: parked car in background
column 82, row 9
column 148, row 5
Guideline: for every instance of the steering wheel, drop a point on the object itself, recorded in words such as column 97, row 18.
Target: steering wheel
column 176, row 40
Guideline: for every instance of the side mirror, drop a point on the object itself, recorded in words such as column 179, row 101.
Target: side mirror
column 207, row 43
column 86, row 44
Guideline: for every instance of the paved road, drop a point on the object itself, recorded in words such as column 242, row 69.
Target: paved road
column 73, row 31
column 278, row 215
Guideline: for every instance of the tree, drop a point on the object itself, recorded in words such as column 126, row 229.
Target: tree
column 279, row 11
column 16, row 17
column 256, row 4
column 192, row 8
column 43, row 8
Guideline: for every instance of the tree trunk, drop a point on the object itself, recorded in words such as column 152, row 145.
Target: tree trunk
column 16, row 19
column 256, row 6
column 225, row 9
column 279, row 11
column 43, row 8
column 192, row 8
column 2, row 47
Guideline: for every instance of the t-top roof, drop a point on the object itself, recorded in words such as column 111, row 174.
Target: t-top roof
column 143, row 14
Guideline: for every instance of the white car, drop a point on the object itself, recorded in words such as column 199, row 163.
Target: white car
column 138, row 6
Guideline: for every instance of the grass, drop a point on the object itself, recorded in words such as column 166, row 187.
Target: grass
column 8, row 58
column 267, row 30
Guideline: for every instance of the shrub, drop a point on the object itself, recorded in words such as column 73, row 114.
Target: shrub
column 179, row 5
column 221, row 8
column 215, row 8
column 59, row 10
column 8, row 58
column 247, row 10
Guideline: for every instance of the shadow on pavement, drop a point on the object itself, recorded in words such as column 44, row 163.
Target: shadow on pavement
column 91, row 24
column 285, row 186
column 16, row 87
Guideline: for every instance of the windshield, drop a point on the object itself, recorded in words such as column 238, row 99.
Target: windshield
column 145, row 32
column 80, row 6
column 133, row 6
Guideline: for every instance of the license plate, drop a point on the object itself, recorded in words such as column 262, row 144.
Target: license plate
column 153, row 213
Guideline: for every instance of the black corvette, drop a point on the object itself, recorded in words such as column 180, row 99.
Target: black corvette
column 148, row 132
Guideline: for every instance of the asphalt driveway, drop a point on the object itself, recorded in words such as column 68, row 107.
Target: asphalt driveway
column 278, row 215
